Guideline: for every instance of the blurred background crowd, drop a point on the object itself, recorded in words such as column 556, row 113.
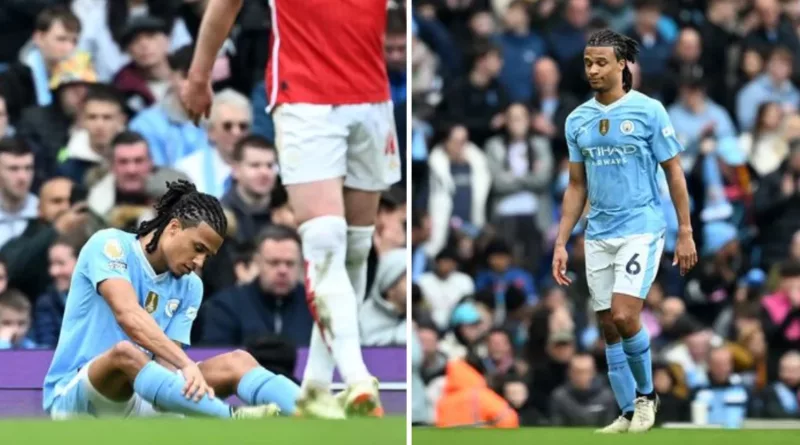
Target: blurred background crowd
column 91, row 129
column 496, row 342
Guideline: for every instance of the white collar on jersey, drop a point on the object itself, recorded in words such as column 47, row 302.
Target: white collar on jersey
column 614, row 104
column 137, row 247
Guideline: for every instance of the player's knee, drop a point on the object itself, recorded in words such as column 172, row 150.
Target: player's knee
column 241, row 359
column 610, row 332
column 328, row 233
column 126, row 355
column 622, row 318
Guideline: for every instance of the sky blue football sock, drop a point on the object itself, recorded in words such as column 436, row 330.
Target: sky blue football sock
column 164, row 389
column 260, row 387
column 637, row 349
column 619, row 375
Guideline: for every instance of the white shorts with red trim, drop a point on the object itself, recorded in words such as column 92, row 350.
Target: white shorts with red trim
column 356, row 142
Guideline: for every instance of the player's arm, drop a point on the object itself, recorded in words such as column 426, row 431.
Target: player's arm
column 574, row 202
column 214, row 29
column 667, row 149
column 138, row 324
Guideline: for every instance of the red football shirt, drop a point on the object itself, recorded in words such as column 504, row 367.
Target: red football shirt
column 327, row 52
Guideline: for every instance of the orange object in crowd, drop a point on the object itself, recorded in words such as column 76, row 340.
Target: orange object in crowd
column 468, row 401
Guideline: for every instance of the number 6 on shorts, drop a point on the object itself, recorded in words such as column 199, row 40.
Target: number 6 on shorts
column 636, row 263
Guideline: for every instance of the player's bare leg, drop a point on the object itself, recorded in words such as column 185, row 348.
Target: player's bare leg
column 319, row 209
column 361, row 208
column 625, row 313
column 619, row 374
column 237, row 372
column 124, row 369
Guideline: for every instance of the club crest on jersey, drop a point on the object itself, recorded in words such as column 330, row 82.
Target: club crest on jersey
column 151, row 302
column 626, row 127
column 604, row 125
column 171, row 307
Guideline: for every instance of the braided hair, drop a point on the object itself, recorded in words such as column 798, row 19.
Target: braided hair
column 625, row 48
column 183, row 201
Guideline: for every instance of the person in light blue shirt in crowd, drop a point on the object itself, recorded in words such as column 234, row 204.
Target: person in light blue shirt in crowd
column 169, row 132
column 773, row 86
column 724, row 396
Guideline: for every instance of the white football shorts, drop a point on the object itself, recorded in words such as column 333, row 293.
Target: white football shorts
column 356, row 142
column 626, row 265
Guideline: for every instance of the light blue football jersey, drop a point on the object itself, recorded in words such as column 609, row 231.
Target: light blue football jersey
column 622, row 146
column 89, row 327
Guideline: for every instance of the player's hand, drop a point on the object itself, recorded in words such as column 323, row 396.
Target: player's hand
column 685, row 252
column 560, row 258
column 196, row 386
column 196, row 97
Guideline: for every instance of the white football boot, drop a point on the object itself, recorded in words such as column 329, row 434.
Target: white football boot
column 618, row 426
column 644, row 415
column 256, row 412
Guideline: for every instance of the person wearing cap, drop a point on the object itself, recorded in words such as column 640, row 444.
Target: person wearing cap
column 466, row 330
column 146, row 79
column 382, row 318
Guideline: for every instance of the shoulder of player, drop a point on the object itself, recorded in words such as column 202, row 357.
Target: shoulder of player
column 113, row 242
column 191, row 285
column 580, row 114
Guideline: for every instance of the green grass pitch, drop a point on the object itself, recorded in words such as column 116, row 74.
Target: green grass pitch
column 565, row 436
column 281, row 431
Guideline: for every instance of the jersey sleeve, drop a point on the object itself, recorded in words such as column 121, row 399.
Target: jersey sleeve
column 105, row 256
column 665, row 143
column 570, row 133
column 179, row 328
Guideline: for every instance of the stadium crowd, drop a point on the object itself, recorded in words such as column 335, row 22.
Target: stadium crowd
column 496, row 342
column 91, row 131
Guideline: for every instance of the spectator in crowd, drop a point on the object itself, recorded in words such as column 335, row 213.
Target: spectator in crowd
column 146, row 79
column 57, row 215
column 274, row 304
column 466, row 387
column 584, row 400
column 382, row 317
column 395, row 47
column 477, row 100
column 48, row 128
column 781, row 315
column 210, row 166
column 516, row 393
column 782, row 399
column 674, row 398
column 777, row 209
column 773, row 86
column 130, row 182
column 15, row 320
column 444, row 287
column 656, row 48
column 459, row 183
column 106, row 23
column 255, row 168
column 101, row 119
column 724, row 396
column 170, row 134
column 551, row 106
column 54, row 39
column 521, row 166
column 521, row 48
column 49, row 308
column 567, row 37
column 17, row 203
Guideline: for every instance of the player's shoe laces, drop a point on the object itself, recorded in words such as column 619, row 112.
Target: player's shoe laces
column 619, row 425
column 362, row 399
column 644, row 415
column 256, row 412
column 319, row 403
